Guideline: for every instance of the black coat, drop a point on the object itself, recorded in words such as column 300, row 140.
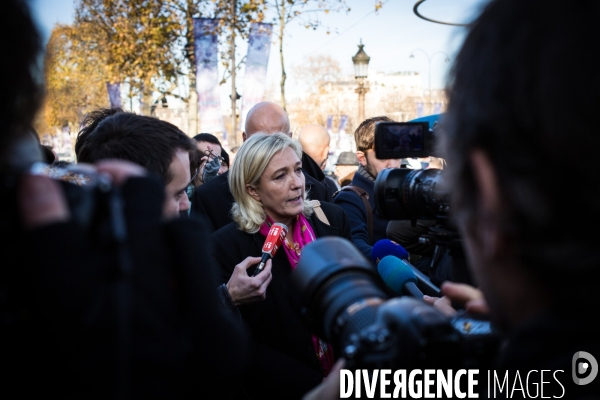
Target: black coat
column 311, row 168
column 213, row 200
column 283, row 364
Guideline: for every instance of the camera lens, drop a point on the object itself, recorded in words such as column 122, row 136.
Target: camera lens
column 340, row 289
column 402, row 194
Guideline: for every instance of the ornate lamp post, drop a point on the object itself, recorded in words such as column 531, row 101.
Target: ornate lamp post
column 361, row 65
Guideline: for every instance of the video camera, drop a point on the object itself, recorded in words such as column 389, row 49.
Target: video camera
column 344, row 301
column 413, row 194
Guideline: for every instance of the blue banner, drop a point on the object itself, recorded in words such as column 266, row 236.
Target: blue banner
column 419, row 109
column 114, row 94
column 257, row 58
column 207, row 75
column 329, row 123
column 437, row 108
column 343, row 123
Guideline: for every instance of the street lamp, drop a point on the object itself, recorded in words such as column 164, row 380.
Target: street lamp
column 361, row 65
column 429, row 58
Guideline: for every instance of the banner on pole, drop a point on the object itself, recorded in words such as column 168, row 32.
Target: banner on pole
column 114, row 94
column 329, row 123
column 343, row 123
column 207, row 75
column 257, row 58
column 419, row 109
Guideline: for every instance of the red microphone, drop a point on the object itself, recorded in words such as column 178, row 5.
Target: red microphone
column 272, row 243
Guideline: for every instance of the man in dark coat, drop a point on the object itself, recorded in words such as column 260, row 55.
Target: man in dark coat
column 315, row 141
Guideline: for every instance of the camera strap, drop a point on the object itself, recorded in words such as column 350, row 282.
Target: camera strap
column 365, row 198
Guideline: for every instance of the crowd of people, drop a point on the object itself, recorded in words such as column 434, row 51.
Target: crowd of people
column 140, row 282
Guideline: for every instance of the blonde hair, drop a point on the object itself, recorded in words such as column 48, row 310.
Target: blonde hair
column 251, row 160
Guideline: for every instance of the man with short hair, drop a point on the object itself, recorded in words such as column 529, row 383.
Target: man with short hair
column 516, row 107
column 362, row 218
column 154, row 144
column 315, row 140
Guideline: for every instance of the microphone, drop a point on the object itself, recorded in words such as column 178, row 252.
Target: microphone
column 385, row 247
column 272, row 243
column 399, row 277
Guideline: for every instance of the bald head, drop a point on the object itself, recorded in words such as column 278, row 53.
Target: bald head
column 266, row 117
column 315, row 139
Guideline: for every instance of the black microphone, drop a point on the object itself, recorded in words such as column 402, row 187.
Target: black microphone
column 273, row 241
column 399, row 277
column 385, row 247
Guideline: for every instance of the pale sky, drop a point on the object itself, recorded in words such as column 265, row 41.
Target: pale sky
column 389, row 36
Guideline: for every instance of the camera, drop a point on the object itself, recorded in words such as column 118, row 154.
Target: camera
column 404, row 140
column 403, row 193
column 344, row 301
column 413, row 194
column 91, row 197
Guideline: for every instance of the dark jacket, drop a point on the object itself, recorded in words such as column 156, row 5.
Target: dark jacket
column 332, row 185
column 283, row 364
column 310, row 167
column 71, row 318
column 213, row 200
column 353, row 205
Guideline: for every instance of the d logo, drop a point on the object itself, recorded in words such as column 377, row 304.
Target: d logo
column 580, row 367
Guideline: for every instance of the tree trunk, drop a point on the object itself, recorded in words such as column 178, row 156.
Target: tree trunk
column 192, row 128
column 145, row 99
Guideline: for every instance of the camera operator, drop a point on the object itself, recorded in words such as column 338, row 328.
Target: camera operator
column 116, row 308
column 518, row 104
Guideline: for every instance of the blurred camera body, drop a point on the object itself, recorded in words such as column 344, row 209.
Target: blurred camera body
column 88, row 194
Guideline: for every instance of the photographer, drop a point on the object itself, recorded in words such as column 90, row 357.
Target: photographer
column 516, row 101
column 114, row 305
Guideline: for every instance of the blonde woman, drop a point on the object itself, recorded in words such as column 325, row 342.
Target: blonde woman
column 267, row 184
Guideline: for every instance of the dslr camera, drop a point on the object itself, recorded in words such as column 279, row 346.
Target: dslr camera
column 344, row 302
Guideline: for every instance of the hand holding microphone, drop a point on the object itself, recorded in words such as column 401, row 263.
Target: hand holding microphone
column 273, row 242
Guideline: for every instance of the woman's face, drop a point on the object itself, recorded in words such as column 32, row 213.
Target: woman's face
column 281, row 187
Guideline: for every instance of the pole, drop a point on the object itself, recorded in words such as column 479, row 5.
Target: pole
column 233, row 91
column 361, row 90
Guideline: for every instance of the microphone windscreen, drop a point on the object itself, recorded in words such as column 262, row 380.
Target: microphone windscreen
column 387, row 247
column 275, row 237
column 395, row 273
